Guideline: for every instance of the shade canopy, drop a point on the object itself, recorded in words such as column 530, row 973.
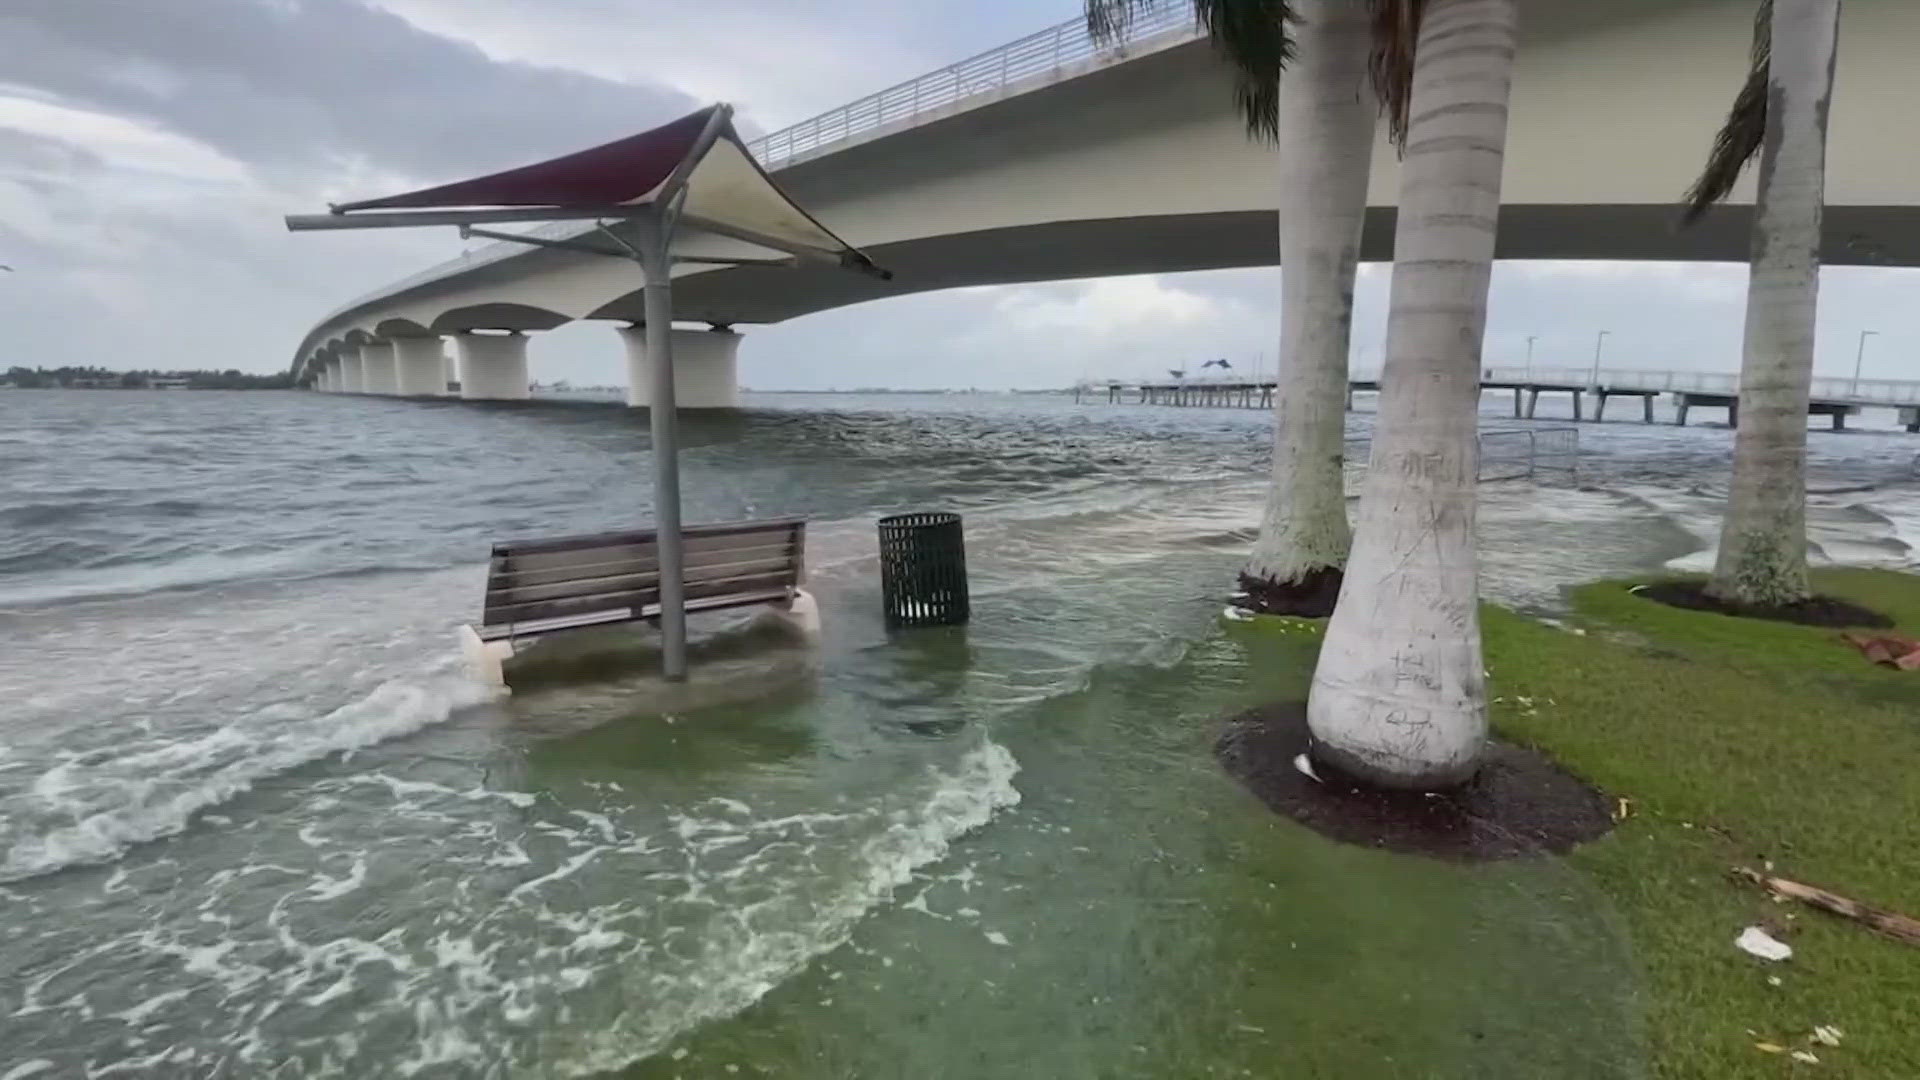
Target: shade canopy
column 696, row 164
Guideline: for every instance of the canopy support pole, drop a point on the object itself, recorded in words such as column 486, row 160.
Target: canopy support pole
column 663, row 415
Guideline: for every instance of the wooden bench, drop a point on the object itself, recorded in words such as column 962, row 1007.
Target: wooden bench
column 540, row 587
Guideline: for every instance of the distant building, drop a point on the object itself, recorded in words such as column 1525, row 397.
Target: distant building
column 170, row 382
column 91, row 382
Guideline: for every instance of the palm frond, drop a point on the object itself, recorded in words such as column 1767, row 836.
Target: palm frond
column 1396, row 33
column 1744, row 131
column 1252, row 35
column 1256, row 38
column 1109, row 20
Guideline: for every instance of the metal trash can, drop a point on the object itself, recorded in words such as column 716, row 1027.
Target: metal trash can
column 923, row 570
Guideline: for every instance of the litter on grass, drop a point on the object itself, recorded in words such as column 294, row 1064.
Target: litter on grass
column 1758, row 942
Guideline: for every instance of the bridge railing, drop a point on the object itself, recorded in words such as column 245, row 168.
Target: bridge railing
column 988, row 73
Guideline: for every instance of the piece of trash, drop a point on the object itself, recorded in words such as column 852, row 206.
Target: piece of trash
column 1759, row 943
column 1890, row 650
column 1769, row 1048
column 996, row 937
column 1305, row 765
column 1236, row 614
column 1622, row 808
column 1773, row 980
column 1636, row 589
column 1827, row 1035
column 1804, row 1055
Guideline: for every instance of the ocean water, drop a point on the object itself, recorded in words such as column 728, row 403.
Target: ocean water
column 256, row 821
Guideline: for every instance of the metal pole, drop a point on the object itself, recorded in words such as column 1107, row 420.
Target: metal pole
column 663, row 417
column 1598, row 343
column 1860, row 357
column 1531, row 338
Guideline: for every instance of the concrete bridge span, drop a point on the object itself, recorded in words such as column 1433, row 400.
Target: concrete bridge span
column 1049, row 159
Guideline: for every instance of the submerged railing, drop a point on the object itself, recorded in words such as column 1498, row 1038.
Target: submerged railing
column 1544, row 453
column 977, row 76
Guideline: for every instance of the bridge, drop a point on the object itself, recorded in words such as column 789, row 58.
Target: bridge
column 1052, row 158
column 1837, row 398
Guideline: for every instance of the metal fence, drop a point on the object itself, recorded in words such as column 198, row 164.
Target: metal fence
column 1544, row 453
column 988, row 73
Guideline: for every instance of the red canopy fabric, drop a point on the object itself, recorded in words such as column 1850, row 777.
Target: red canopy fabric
column 623, row 171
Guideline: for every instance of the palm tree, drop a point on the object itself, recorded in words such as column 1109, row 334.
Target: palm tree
column 1323, row 117
column 1781, row 116
column 1399, row 695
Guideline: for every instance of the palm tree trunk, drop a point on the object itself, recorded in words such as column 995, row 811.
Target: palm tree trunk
column 1399, row 696
column 1326, row 119
column 1763, row 542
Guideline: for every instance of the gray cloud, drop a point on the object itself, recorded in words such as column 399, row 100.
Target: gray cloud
column 299, row 86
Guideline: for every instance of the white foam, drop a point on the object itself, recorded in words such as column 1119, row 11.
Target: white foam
column 735, row 971
column 114, row 801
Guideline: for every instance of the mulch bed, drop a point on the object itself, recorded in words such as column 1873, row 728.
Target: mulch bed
column 1519, row 805
column 1816, row 611
column 1312, row 597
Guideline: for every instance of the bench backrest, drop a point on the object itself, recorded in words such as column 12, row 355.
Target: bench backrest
column 583, row 575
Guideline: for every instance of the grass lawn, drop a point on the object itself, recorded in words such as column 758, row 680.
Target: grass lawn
column 1738, row 741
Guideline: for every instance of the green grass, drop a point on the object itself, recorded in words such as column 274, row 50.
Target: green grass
column 1738, row 741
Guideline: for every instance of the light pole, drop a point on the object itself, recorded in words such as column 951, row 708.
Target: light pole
column 1599, row 343
column 1860, row 357
column 1531, row 338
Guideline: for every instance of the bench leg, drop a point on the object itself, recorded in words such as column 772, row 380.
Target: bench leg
column 485, row 658
column 802, row 613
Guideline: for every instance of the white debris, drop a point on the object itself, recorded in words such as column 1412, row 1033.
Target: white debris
column 1305, row 765
column 996, row 937
column 1804, row 1055
column 1758, row 942
column 1236, row 614
column 1827, row 1035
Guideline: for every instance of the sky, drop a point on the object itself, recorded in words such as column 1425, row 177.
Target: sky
column 148, row 149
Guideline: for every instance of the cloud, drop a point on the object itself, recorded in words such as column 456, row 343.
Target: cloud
column 298, row 87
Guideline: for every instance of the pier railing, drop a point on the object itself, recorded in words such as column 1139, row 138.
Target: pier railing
column 977, row 76
column 1825, row 388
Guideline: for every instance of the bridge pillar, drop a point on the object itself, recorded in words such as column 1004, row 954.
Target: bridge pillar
column 420, row 367
column 705, row 368
column 376, row 368
column 351, row 373
column 493, row 367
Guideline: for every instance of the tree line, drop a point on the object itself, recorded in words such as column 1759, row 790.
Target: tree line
column 1398, row 696
column 39, row 378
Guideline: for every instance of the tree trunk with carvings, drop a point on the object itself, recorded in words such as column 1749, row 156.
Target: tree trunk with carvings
column 1399, row 695
column 1327, row 118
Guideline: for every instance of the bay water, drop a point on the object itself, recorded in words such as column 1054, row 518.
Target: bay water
column 256, row 820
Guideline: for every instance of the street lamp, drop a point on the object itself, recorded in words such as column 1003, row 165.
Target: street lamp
column 1599, row 343
column 1860, row 357
column 1531, row 338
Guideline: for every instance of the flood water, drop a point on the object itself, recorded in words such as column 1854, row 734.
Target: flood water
column 256, row 821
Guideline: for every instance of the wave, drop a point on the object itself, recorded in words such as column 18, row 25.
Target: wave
column 90, row 809
column 730, row 973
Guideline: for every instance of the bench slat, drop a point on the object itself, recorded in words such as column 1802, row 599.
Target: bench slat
column 620, row 615
column 634, row 598
column 645, row 536
column 500, row 595
column 509, row 576
column 642, row 550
